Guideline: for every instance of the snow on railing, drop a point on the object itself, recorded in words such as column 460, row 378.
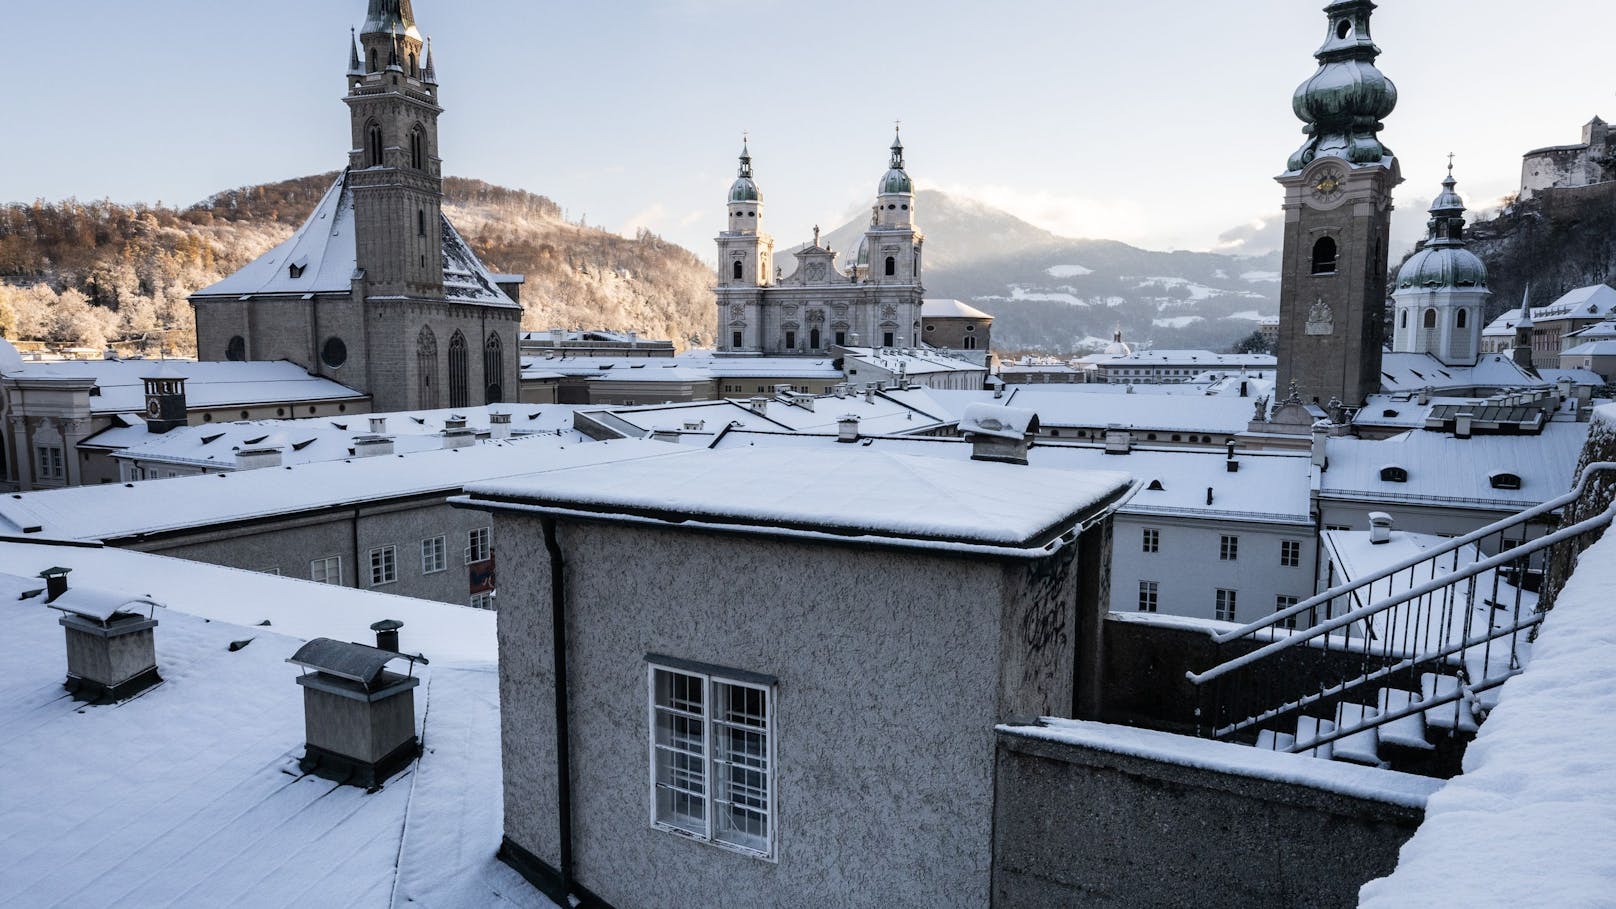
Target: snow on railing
column 1426, row 630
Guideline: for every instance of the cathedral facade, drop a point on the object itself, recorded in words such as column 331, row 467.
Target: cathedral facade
column 377, row 290
column 876, row 302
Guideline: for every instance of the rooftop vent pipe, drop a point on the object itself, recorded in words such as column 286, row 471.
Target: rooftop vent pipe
column 387, row 634
column 1380, row 527
column 1118, row 441
column 499, row 425
column 760, row 405
column 378, row 425
column 1233, row 466
column 1462, row 425
column 847, row 428
column 358, row 717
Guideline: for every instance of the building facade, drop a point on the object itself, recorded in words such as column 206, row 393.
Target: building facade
column 877, row 303
column 378, row 290
column 1338, row 205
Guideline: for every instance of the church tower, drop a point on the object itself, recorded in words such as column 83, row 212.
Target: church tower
column 893, row 244
column 745, row 262
column 1338, row 205
column 1441, row 289
column 394, row 169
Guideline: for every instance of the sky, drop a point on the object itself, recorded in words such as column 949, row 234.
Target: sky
column 1156, row 122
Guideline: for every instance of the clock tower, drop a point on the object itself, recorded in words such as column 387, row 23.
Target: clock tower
column 1338, row 206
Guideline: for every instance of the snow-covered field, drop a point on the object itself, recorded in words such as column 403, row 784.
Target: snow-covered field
column 1176, row 321
column 1067, row 271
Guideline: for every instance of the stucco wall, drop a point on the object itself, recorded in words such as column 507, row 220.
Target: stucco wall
column 1076, row 826
column 892, row 668
column 1187, row 568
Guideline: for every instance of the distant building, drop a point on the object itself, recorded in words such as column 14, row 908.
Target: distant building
column 953, row 325
column 1589, row 162
column 560, row 342
column 1442, row 289
column 1159, row 366
column 877, row 303
column 377, row 289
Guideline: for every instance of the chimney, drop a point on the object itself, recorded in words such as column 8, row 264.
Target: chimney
column 760, row 405
column 1321, row 433
column 869, row 394
column 1380, row 527
column 847, row 428
column 1462, row 425
column 499, row 424
column 998, row 392
column 996, row 433
column 1232, row 465
column 1209, row 496
column 378, row 426
column 839, row 390
column 456, row 434
column 1244, row 388
column 387, row 634
column 1563, row 387
column 665, row 434
column 1118, row 441
column 111, row 645
column 266, row 453
column 1425, row 396
column 372, row 446
column 358, row 716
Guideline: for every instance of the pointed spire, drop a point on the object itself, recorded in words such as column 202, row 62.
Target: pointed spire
column 430, row 74
column 746, row 156
column 897, row 146
column 386, row 16
column 355, row 68
column 1526, row 309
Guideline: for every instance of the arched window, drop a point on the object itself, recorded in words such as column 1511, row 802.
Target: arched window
column 813, row 339
column 236, row 350
column 426, row 368
column 457, row 371
column 418, row 148
column 1430, row 318
column 970, row 343
column 1461, row 318
column 420, row 222
column 892, row 265
column 373, row 145
column 1324, row 255
column 1393, row 474
column 494, row 369
column 1405, row 318
column 738, row 269
column 414, row 72
column 372, row 60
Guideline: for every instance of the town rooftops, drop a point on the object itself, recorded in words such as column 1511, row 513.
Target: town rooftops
column 120, row 387
column 875, row 496
column 1203, row 413
column 894, row 410
column 125, row 511
column 911, row 361
column 321, row 258
column 950, row 309
column 1404, row 371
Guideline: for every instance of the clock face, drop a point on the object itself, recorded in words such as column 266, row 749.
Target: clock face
column 153, row 408
column 1327, row 186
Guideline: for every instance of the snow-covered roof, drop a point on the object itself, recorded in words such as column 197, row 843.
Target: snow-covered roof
column 191, row 792
column 1171, row 413
column 120, row 385
column 123, row 510
column 323, row 438
column 1538, row 783
column 1402, row 371
column 950, row 309
column 321, row 258
column 910, row 361
column 698, row 367
column 985, row 419
column 896, row 411
column 1596, row 301
column 877, row 496
column 1503, row 326
column 1444, row 469
column 98, row 604
column 1605, row 348
column 1270, row 487
column 1599, row 331
column 1205, row 359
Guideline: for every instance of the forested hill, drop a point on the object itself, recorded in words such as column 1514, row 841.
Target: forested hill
column 1561, row 240
column 90, row 273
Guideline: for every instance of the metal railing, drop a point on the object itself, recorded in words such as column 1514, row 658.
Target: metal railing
column 1449, row 625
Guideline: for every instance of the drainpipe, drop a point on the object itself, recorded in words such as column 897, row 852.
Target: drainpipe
column 558, row 636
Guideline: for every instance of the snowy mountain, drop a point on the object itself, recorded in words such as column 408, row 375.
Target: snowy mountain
column 1059, row 294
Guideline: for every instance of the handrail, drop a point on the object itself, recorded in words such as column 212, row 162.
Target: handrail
column 1601, row 520
column 1450, row 546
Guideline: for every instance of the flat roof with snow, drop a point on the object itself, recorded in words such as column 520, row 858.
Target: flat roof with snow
column 876, row 496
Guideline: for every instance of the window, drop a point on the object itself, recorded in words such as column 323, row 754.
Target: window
column 372, row 60
column 479, row 544
column 493, row 369
column 334, row 352
column 426, row 368
column 886, row 339
column 236, row 350
column 1225, row 605
column 1228, row 548
column 1152, row 540
column 373, row 145
column 52, row 465
column 813, row 339
column 1337, row 527
column 1461, row 318
column 418, row 148
column 735, row 339
column 420, row 222
column 1147, row 596
column 326, row 571
column 1393, row 474
column 482, row 601
column 1430, row 318
column 1324, row 255
column 791, row 340
column 892, row 266
column 1282, row 603
column 738, row 269
column 383, row 565
column 1290, row 553
column 459, row 393
column 711, row 748
column 432, row 555
column 1405, row 318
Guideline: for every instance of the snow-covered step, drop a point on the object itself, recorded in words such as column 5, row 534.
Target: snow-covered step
column 1359, row 747
column 1309, row 728
column 1269, row 740
column 1456, row 715
column 1408, row 732
column 1489, row 667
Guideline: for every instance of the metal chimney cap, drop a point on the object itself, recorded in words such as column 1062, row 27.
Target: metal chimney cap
column 387, row 625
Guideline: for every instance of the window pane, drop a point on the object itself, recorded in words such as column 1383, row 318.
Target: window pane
column 680, row 753
column 741, row 767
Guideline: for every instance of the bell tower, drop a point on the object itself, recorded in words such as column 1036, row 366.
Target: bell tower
column 1338, row 206
column 394, row 169
column 745, row 261
column 892, row 241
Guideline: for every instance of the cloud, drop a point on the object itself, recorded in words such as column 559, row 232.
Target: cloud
column 646, row 218
column 1066, row 215
column 1254, row 238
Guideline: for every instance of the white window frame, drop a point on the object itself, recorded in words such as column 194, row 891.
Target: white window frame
column 1290, row 553
column 711, row 680
column 1149, row 596
column 1150, row 540
column 435, row 554
column 479, row 543
column 482, row 601
column 52, row 463
column 1226, row 605
column 383, row 561
column 1229, row 548
column 1283, row 602
column 330, row 566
